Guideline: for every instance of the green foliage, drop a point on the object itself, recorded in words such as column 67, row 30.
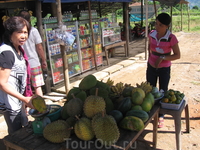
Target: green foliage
column 119, row 12
column 195, row 7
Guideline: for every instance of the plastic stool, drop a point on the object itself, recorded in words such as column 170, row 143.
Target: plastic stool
column 176, row 114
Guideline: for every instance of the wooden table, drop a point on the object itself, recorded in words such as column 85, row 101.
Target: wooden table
column 24, row 139
column 106, row 48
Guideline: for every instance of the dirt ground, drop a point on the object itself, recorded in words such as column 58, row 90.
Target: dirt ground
column 185, row 77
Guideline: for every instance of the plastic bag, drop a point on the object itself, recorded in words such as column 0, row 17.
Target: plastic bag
column 62, row 36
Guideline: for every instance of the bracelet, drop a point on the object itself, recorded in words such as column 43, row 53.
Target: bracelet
column 163, row 57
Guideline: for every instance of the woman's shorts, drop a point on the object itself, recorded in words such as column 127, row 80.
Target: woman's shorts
column 37, row 79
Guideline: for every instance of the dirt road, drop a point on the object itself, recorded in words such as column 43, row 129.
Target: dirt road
column 185, row 77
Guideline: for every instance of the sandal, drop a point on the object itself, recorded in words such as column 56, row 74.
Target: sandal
column 160, row 123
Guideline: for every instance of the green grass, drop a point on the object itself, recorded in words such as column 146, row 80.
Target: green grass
column 194, row 25
column 176, row 20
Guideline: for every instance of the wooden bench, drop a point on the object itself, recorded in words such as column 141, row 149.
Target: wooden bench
column 106, row 48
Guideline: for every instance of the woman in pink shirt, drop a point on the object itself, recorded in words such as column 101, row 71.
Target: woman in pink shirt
column 163, row 48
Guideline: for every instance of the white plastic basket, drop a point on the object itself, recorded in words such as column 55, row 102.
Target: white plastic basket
column 171, row 106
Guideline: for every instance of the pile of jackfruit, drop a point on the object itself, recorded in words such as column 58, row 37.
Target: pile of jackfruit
column 97, row 109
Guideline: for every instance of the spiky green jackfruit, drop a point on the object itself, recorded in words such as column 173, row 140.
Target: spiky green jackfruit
column 93, row 105
column 64, row 114
column 88, row 82
column 57, row 131
column 74, row 107
column 75, row 91
column 105, row 129
column 83, row 129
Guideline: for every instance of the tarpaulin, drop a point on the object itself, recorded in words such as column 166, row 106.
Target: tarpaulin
column 73, row 1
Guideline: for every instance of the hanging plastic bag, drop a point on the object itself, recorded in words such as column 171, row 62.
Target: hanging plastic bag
column 64, row 37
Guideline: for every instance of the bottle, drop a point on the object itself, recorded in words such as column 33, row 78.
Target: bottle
column 70, row 16
column 95, row 13
column 64, row 16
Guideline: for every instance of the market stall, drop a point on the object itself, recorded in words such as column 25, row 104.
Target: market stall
column 93, row 36
column 25, row 139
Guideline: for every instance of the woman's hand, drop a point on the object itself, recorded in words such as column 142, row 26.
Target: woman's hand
column 29, row 102
column 158, row 61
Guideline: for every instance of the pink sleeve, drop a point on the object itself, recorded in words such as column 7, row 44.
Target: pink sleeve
column 174, row 40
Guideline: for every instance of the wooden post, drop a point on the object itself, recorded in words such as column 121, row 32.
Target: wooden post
column 146, row 29
column 99, row 6
column 65, row 68
column 92, row 31
column 127, row 27
column 188, row 19
column 181, row 17
column 171, row 17
column 40, row 29
column 142, row 16
column 59, row 11
column 39, row 22
column 63, row 50
column 155, row 9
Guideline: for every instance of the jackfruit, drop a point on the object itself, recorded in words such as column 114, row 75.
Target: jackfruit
column 57, row 131
column 82, row 95
column 105, row 129
column 75, row 91
column 74, row 107
column 103, row 85
column 93, row 104
column 88, row 82
column 109, row 105
column 101, row 92
column 64, row 114
column 83, row 129
column 71, row 122
column 39, row 104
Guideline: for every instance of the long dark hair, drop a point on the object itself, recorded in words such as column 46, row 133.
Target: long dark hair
column 14, row 24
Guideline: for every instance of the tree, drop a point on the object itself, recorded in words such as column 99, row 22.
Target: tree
column 195, row 7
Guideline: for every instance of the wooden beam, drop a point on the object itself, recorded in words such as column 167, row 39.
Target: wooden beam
column 92, row 32
column 11, row 1
column 155, row 9
column 127, row 27
column 181, row 17
column 63, row 50
column 188, row 19
column 40, row 29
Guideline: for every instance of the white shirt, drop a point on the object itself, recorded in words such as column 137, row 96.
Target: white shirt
column 30, row 47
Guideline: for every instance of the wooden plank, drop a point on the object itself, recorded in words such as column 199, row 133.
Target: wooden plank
column 32, row 142
column 115, row 45
column 19, row 135
column 51, row 146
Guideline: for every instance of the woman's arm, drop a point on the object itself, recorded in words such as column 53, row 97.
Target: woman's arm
column 176, row 53
column 4, row 86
